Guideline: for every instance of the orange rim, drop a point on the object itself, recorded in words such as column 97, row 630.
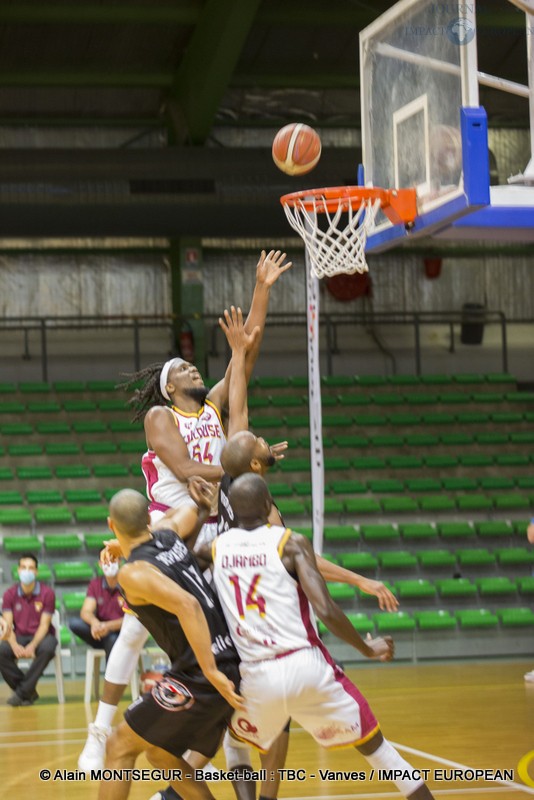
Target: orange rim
column 399, row 205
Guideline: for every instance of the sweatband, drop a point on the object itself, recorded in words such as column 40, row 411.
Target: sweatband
column 164, row 375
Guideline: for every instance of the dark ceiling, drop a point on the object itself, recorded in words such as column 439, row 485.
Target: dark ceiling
column 182, row 71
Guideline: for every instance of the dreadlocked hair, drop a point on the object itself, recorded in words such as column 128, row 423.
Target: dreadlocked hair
column 148, row 394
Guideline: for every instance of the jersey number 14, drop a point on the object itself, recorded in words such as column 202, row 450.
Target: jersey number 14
column 252, row 599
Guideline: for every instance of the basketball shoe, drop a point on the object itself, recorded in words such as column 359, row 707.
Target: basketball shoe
column 92, row 755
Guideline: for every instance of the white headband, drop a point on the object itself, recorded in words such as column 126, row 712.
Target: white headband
column 165, row 374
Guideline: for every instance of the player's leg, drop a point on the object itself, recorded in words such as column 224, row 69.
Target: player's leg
column 122, row 748
column 237, row 756
column 383, row 756
column 271, row 761
column 120, row 666
column 187, row 788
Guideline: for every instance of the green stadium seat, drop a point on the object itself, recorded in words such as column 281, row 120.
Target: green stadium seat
column 91, row 426
column 272, row 382
column 500, row 378
column 423, row 485
column 418, row 531
column 459, row 484
column 404, row 380
column 526, row 585
column 83, row 496
column 421, row 440
column 476, row 618
column 522, row 437
column 525, row 482
column 368, row 463
column 370, row 420
column 66, row 387
column 302, row 488
column 486, row 530
column 58, row 542
column 259, row 402
column 25, row 450
column 281, row 401
column 332, row 505
column 404, row 420
column 336, row 463
column 95, row 541
column 399, row 505
column 515, row 557
column 307, row 532
column 362, row 505
column 34, row 387
column 495, row 586
column 73, row 471
column 71, row 571
column 47, row 496
column 291, row 420
column 348, row 487
column 434, row 620
column 420, row 399
column 328, row 400
column 338, row 381
column 520, row 397
column 415, row 589
column 14, row 545
column 57, row 515
column 475, row 557
column 290, row 464
column 62, row 449
column 494, row 482
column 15, row 516
column 17, row 429
column 133, row 446
column 99, row 448
column 393, row 622
column 34, row 473
column 280, row 490
column 370, row 380
column 291, row 506
column 437, row 502
column 73, row 601
column 436, row 380
column 436, row 559
column 380, row 533
column 454, row 530
column 385, row 486
column 405, row 462
column 351, row 441
column 487, row 397
column 110, row 471
column 512, row 460
column 44, row 408
column 475, row 460
column 117, row 404
column 358, row 562
column 304, row 441
column 520, row 528
column 454, row 398
column 135, row 469
column 386, row 440
column 101, row 386
column 386, row 399
column 474, row 502
column 11, row 498
column 512, row 501
column 456, row 439
column 353, row 400
column 7, row 388
column 517, row 617
column 361, row 622
column 397, row 559
column 96, row 513
column 468, row 379
column 456, row 587
column 6, row 474
column 438, row 418
column 79, row 406
column 12, row 408
column 507, row 417
column 442, row 461
column 340, row 591
column 491, row 437
column 341, row 533
column 299, row 381
column 53, row 428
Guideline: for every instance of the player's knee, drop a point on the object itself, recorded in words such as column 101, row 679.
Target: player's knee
column 159, row 758
column 119, row 745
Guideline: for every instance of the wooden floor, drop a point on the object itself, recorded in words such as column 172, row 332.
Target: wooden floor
column 441, row 716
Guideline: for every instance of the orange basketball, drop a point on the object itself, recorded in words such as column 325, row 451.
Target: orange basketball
column 296, row 149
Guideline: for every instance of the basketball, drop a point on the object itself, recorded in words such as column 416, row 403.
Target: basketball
column 296, row 149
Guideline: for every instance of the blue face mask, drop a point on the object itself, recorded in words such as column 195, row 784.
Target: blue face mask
column 26, row 576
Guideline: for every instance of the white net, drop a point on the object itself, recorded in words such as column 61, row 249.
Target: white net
column 338, row 245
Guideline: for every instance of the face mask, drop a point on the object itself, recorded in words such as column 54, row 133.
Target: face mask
column 26, row 576
column 110, row 570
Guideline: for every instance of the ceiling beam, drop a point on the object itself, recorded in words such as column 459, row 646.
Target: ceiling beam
column 207, row 67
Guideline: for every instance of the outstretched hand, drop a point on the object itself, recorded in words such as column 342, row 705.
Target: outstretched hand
column 226, row 688
column 386, row 599
column 234, row 330
column 278, row 450
column 270, row 267
column 383, row 647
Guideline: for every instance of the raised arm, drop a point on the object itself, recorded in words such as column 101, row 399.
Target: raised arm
column 332, row 572
column 241, row 342
column 143, row 584
column 299, row 557
column 165, row 439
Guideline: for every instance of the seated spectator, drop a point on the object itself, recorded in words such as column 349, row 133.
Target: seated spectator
column 101, row 616
column 27, row 610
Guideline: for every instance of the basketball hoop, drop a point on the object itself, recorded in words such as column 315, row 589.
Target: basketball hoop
column 337, row 248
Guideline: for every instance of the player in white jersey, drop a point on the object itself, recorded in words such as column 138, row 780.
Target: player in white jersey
column 179, row 385
column 269, row 587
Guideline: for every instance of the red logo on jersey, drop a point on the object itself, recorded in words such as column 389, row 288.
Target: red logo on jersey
column 172, row 695
column 246, row 726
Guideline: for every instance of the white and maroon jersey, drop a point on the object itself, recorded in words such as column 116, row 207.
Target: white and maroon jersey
column 204, row 436
column 267, row 612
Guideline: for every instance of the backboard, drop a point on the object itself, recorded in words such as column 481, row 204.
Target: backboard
column 423, row 127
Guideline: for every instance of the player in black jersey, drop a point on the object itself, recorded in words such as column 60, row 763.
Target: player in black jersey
column 191, row 706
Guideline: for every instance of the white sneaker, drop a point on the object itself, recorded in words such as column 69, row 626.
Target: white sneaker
column 529, row 676
column 93, row 754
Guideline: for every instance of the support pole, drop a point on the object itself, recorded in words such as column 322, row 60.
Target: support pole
column 314, row 395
